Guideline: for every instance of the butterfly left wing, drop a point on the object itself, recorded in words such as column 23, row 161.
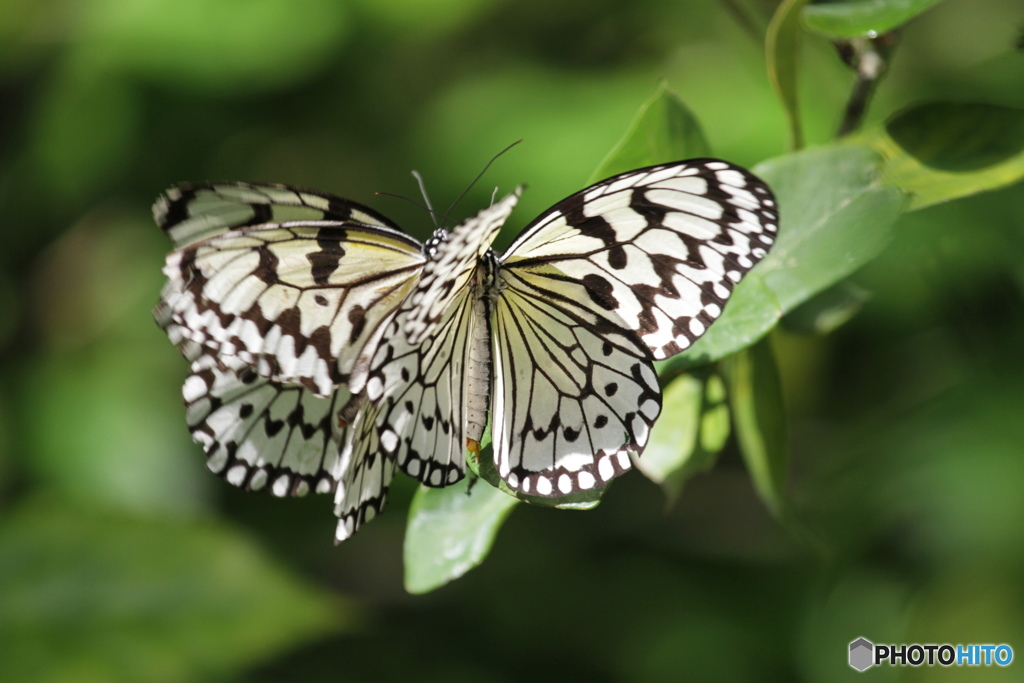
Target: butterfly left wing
column 293, row 283
column 424, row 404
column 425, row 391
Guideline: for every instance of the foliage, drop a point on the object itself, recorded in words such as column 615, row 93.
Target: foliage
column 866, row 374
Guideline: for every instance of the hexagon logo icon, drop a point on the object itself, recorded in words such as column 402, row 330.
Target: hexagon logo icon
column 862, row 654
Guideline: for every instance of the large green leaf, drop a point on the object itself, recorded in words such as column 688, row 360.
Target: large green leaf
column 450, row 531
column 839, row 217
column 782, row 46
column 854, row 18
column 835, row 217
column 663, row 130
column 89, row 596
column 942, row 151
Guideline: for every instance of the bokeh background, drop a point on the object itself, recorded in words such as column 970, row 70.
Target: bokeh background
column 122, row 559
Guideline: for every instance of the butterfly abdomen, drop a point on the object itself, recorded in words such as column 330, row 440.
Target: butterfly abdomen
column 478, row 361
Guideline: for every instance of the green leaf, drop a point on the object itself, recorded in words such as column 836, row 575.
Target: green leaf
column 755, row 394
column 855, row 18
column 450, row 531
column 835, row 217
column 91, row 596
column 942, row 151
column 782, row 45
column 841, row 219
column 663, row 130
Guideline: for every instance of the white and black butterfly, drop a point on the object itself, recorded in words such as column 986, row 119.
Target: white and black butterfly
column 327, row 346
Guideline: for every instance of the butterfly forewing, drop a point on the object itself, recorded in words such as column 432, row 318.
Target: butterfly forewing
column 296, row 300
column 658, row 249
column 191, row 212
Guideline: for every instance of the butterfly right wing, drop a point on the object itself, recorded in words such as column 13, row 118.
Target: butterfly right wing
column 293, row 283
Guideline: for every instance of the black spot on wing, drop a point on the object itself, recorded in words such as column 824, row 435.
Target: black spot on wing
column 267, row 268
column 325, row 261
column 600, row 291
column 357, row 318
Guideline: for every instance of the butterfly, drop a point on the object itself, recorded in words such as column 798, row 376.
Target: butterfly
column 328, row 347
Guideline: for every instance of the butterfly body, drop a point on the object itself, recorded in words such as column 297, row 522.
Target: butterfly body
column 336, row 331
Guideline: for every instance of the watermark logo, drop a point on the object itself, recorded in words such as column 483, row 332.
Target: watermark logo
column 864, row 654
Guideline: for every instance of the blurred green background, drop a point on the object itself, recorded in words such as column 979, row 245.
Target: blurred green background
column 121, row 558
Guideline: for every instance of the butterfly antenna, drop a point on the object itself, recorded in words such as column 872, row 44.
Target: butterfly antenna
column 480, row 175
column 426, row 198
column 494, row 195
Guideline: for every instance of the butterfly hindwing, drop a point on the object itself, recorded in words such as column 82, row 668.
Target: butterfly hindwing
column 365, row 472
column 573, row 394
column 261, row 435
